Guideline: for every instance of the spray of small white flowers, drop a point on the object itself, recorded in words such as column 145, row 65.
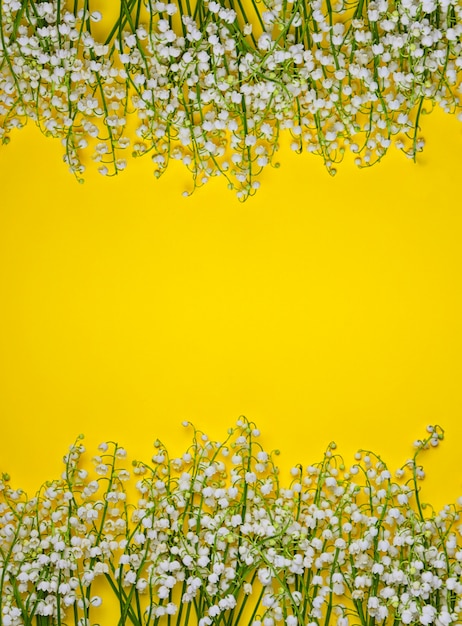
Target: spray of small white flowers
column 213, row 537
column 216, row 84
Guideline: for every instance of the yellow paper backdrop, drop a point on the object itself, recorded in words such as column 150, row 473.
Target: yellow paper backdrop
column 324, row 308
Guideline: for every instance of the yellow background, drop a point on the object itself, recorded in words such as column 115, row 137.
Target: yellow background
column 321, row 309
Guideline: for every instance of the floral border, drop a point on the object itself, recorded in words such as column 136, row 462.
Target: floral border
column 213, row 537
column 217, row 84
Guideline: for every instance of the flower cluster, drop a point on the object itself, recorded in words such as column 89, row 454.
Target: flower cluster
column 213, row 84
column 212, row 537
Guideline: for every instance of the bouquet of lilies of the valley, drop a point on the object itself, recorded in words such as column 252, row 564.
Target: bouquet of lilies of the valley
column 216, row 84
column 214, row 538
